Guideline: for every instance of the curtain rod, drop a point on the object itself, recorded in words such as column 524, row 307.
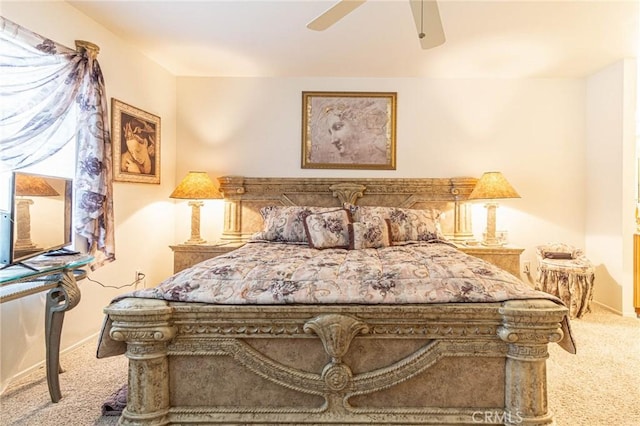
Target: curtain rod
column 91, row 49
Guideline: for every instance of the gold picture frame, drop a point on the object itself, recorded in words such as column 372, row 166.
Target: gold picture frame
column 349, row 130
column 136, row 144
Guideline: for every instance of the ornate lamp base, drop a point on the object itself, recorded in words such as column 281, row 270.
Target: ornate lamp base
column 490, row 238
column 195, row 223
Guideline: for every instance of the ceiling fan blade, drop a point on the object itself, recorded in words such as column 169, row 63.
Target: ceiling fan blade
column 334, row 14
column 427, row 17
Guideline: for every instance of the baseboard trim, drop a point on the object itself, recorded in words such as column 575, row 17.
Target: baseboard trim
column 42, row 364
column 615, row 311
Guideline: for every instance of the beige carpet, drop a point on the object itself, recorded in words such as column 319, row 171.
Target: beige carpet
column 600, row 386
column 86, row 383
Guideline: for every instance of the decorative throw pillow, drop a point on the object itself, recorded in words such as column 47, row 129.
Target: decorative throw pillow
column 286, row 223
column 328, row 229
column 406, row 224
column 369, row 235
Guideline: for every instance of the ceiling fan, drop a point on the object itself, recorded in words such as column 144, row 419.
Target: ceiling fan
column 425, row 14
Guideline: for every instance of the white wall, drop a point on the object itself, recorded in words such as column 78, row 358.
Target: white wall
column 611, row 190
column 142, row 211
column 531, row 130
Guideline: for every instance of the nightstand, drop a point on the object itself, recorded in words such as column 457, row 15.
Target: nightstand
column 186, row 255
column 505, row 257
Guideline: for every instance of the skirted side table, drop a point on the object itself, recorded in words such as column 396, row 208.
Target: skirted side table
column 565, row 272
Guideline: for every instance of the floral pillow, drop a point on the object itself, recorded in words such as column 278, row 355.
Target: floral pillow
column 328, row 229
column 285, row 224
column 369, row 235
column 406, row 224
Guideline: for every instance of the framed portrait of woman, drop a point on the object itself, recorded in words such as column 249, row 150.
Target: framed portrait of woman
column 349, row 130
column 136, row 144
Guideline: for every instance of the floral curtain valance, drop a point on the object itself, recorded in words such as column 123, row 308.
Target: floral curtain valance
column 52, row 95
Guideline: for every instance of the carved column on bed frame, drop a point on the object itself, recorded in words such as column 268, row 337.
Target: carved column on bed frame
column 232, row 188
column 528, row 326
column 144, row 324
column 462, row 230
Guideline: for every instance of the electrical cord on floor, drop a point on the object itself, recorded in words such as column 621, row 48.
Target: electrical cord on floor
column 140, row 279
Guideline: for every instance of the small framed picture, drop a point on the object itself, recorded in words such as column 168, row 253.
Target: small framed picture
column 136, row 144
column 349, row 130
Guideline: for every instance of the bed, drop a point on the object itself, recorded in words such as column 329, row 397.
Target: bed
column 374, row 329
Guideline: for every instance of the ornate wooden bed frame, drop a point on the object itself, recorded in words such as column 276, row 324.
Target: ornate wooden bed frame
column 336, row 364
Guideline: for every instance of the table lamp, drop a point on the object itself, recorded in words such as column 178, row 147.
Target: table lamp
column 28, row 186
column 492, row 186
column 196, row 186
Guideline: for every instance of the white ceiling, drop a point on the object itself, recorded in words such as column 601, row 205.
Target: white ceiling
column 268, row 38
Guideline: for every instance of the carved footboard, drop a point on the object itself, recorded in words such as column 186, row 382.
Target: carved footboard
column 379, row 364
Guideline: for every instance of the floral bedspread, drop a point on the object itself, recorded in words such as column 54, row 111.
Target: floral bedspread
column 275, row 273
column 268, row 273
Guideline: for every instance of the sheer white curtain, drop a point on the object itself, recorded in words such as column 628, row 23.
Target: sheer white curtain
column 52, row 95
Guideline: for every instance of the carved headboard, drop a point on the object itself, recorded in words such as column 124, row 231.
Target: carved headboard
column 245, row 196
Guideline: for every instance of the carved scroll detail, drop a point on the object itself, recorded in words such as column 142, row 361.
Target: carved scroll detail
column 336, row 332
column 347, row 192
column 70, row 292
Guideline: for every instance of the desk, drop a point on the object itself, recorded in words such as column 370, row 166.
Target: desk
column 58, row 275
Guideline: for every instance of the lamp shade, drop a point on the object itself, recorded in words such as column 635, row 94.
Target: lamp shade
column 196, row 186
column 33, row 186
column 491, row 186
